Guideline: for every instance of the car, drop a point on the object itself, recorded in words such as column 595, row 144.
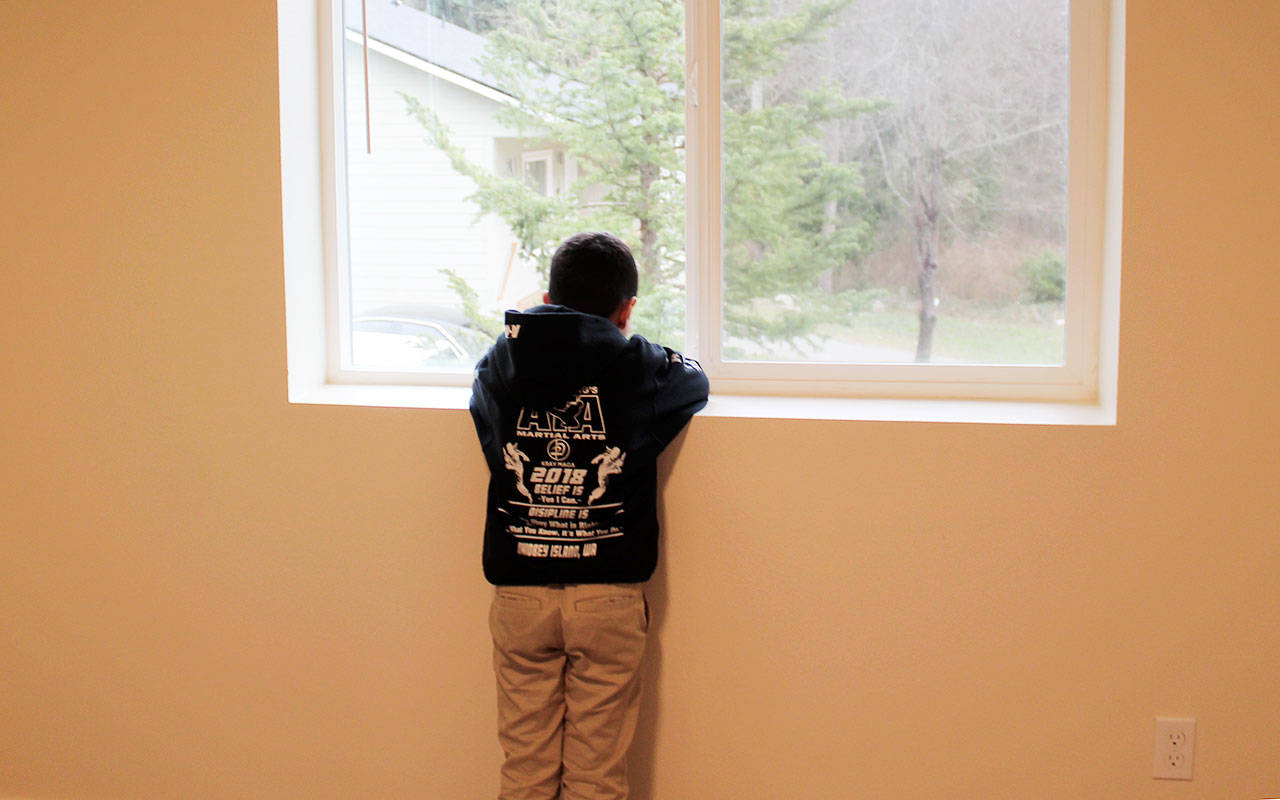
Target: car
column 415, row 338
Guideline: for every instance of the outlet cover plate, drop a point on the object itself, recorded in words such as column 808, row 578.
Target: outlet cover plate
column 1175, row 748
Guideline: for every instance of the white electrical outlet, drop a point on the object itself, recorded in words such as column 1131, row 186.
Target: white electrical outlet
column 1175, row 747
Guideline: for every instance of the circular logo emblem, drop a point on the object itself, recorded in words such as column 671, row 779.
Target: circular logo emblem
column 558, row 449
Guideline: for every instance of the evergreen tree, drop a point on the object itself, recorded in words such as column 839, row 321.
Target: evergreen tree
column 793, row 213
column 604, row 80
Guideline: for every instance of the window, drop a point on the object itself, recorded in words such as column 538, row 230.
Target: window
column 537, row 172
column 887, row 199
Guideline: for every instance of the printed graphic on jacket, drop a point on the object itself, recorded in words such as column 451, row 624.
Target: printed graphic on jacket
column 561, row 464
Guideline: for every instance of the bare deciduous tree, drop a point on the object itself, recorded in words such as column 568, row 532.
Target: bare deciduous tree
column 972, row 128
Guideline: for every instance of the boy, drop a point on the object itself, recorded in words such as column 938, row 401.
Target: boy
column 571, row 415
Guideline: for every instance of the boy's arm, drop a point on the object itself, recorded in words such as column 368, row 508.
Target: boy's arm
column 681, row 392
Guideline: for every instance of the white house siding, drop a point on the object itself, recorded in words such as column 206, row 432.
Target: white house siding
column 408, row 213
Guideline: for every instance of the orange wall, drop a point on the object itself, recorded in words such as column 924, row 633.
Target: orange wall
column 208, row 592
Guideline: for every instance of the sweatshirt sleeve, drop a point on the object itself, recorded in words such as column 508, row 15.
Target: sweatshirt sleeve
column 680, row 392
column 486, row 391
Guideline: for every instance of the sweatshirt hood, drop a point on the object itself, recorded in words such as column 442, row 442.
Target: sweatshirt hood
column 555, row 350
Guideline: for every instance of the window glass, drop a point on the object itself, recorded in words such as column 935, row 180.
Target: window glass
column 893, row 171
column 499, row 128
column 535, row 175
column 895, row 180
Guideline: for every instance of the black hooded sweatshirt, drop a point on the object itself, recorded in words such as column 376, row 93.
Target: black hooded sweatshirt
column 571, row 415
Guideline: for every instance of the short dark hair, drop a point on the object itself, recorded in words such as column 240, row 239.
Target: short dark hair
column 594, row 273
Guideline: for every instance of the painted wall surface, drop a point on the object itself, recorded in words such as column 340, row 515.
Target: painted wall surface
column 206, row 592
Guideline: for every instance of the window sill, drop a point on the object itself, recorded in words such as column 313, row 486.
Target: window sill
column 754, row 407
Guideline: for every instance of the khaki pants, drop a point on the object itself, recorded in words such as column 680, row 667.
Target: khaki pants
column 567, row 660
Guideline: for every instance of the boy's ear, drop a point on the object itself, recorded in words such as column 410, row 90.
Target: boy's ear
column 622, row 317
column 546, row 298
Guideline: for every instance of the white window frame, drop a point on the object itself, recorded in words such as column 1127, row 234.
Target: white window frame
column 1081, row 391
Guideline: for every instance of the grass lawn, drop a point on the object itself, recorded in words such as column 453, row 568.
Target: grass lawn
column 1022, row 335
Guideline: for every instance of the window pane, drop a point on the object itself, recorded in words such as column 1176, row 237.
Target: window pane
column 895, row 180
column 418, row 244
column 535, row 175
column 500, row 127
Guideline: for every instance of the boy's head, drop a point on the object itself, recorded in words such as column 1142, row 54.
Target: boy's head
column 594, row 273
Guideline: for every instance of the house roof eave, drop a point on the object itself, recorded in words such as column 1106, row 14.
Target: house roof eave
column 409, row 59
column 423, row 40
